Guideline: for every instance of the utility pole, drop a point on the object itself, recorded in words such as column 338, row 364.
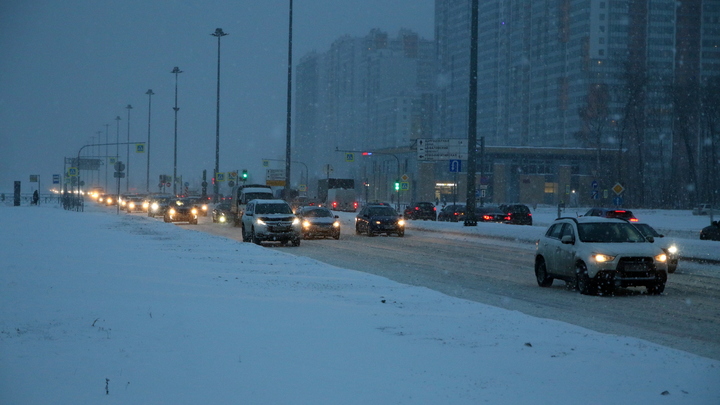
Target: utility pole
column 175, row 71
column 216, row 186
column 470, row 219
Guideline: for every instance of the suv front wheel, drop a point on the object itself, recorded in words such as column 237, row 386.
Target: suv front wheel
column 583, row 282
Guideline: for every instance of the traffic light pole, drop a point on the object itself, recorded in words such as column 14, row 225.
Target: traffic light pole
column 397, row 179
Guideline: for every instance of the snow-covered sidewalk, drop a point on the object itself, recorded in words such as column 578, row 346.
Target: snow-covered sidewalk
column 121, row 309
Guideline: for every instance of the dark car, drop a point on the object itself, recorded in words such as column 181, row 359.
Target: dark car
column 298, row 202
column 221, row 213
column 608, row 213
column 517, row 214
column 711, row 232
column 667, row 246
column 181, row 210
column 488, row 214
column 158, row 206
column 318, row 222
column 202, row 204
column 452, row 213
column 375, row 219
column 421, row 210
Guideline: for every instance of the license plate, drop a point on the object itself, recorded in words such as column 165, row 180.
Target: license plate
column 635, row 267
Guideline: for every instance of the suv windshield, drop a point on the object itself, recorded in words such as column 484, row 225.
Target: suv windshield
column 382, row 212
column 273, row 209
column 606, row 232
column 318, row 213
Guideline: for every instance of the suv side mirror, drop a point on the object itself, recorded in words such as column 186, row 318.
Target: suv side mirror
column 651, row 239
column 568, row 240
column 337, row 216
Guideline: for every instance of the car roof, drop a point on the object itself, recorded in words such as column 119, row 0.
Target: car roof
column 592, row 219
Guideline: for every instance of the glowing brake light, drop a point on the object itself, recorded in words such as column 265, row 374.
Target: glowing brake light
column 334, row 204
column 633, row 220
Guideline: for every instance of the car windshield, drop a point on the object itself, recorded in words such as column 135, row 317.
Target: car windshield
column 607, row 232
column 317, row 213
column 223, row 206
column 382, row 212
column 273, row 209
column 256, row 196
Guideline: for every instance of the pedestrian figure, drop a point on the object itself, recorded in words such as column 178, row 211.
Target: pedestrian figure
column 35, row 197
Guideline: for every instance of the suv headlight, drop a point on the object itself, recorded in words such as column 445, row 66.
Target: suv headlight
column 194, row 211
column 259, row 221
column 336, row 224
column 401, row 223
column 662, row 258
column 306, row 224
column 172, row 211
column 154, row 206
column 672, row 249
column 601, row 258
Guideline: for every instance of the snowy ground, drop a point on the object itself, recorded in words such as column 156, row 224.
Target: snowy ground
column 101, row 308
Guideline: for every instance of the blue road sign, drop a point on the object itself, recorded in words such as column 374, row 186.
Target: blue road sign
column 595, row 195
column 455, row 166
column 594, row 184
column 56, row 179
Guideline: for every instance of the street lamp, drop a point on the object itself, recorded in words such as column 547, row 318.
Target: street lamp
column 117, row 137
column 289, row 106
column 175, row 71
column 147, row 177
column 216, row 186
column 127, row 161
column 107, row 153
column 470, row 219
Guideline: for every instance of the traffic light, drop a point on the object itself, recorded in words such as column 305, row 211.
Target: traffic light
column 397, row 186
column 244, row 174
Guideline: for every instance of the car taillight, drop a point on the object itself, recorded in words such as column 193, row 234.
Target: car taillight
column 434, row 209
column 507, row 218
column 417, row 208
column 355, row 204
column 487, row 217
column 334, row 204
column 633, row 220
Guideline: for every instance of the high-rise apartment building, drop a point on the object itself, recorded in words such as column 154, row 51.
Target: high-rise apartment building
column 363, row 94
column 628, row 75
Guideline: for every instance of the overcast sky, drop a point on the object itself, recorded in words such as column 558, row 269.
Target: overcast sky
column 68, row 68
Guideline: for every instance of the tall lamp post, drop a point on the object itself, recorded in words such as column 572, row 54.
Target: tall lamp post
column 107, row 154
column 470, row 219
column 289, row 106
column 117, row 137
column 127, row 162
column 175, row 71
column 147, row 176
column 216, row 185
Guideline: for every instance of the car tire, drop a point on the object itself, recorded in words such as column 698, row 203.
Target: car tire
column 401, row 234
column 672, row 268
column 582, row 280
column 255, row 239
column 541, row 275
column 357, row 230
column 296, row 242
column 165, row 218
column 369, row 232
column 194, row 222
column 336, row 236
column 245, row 236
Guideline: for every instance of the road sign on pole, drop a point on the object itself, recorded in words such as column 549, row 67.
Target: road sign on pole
column 455, row 166
column 442, row 149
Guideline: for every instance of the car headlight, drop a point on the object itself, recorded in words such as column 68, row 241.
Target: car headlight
column 132, row 205
column 154, row 206
column 296, row 221
column 204, row 207
column 401, row 222
column 109, row 200
column 336, row 224
column 259, row 221
column 306, row 224
column 221, row 219
column 377, row 222
column 194, row 211
column 601, row 258
column 662, row 258
column 146, row 205
column 172, row 211
column 672, row 249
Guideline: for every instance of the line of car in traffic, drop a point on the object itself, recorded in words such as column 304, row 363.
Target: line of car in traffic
column 594, row 253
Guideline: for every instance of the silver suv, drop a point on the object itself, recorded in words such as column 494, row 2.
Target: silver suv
column 596, row 255
column 270, row 220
